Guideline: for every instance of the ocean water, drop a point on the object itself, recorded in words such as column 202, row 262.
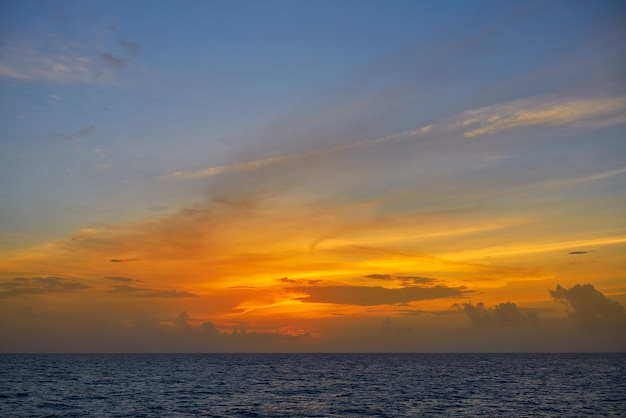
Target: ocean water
column 312, row 385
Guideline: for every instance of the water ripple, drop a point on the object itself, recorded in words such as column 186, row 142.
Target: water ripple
column 313, row 385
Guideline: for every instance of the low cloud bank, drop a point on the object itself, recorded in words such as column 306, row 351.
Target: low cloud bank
column 505, row 314
column 589, row 309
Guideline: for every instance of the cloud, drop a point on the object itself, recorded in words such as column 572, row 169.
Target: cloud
column 25, row 62
column 38, row 286
column 541, row 111
column 59, row 63
column 578, row 252
column 144, row 292
column 534, row 111
column 129, row 50
column 371, row 295
column 403, row 279
column 126, row 260
column 589, row 309
column 297, row 281
column 241, row 166
column 502, row 315
column 121, row 279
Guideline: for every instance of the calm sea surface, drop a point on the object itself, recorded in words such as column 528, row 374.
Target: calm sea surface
column 312, row 385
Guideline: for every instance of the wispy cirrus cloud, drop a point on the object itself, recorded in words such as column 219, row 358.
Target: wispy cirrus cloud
column 63, row 64
column 543, row 112
column 525, row 113
column 26, row 62
column 290, row 158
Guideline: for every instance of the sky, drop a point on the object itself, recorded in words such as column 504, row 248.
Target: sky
column 312, row 176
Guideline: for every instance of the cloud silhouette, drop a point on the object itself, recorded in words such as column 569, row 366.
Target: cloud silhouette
column 38, row 286
column 505, row 314
column 578, row 252
column 590, row 309
column 144, row 292
column 126, row 260
column 121, row 279
column 372, row 295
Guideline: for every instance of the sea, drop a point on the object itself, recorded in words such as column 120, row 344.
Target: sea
column 312, row 385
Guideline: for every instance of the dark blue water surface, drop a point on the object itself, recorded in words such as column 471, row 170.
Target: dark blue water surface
column 314, row 385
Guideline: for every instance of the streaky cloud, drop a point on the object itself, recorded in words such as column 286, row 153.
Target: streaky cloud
column 144, row 292
column 530, row 112
column 542, row 111
column 25, row 62
column 267, row 162
column 121, row 279
column 298, row 281
column 373, row 295
column 403, row 279
column 125, row 260
column 20, row 286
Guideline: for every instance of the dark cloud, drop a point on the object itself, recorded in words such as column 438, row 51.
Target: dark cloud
column 121, row 279
column 590, row 309
column 371, row 295
column 380, row 276
column 144, row 292
column 578, row 252
column 503, row 315
column 127, row 260
column 38, row 286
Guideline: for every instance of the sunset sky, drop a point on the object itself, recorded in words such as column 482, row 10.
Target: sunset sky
column 312, row 176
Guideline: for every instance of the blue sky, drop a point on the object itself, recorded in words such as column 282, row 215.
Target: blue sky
column 482, row 132
column 195, row 82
